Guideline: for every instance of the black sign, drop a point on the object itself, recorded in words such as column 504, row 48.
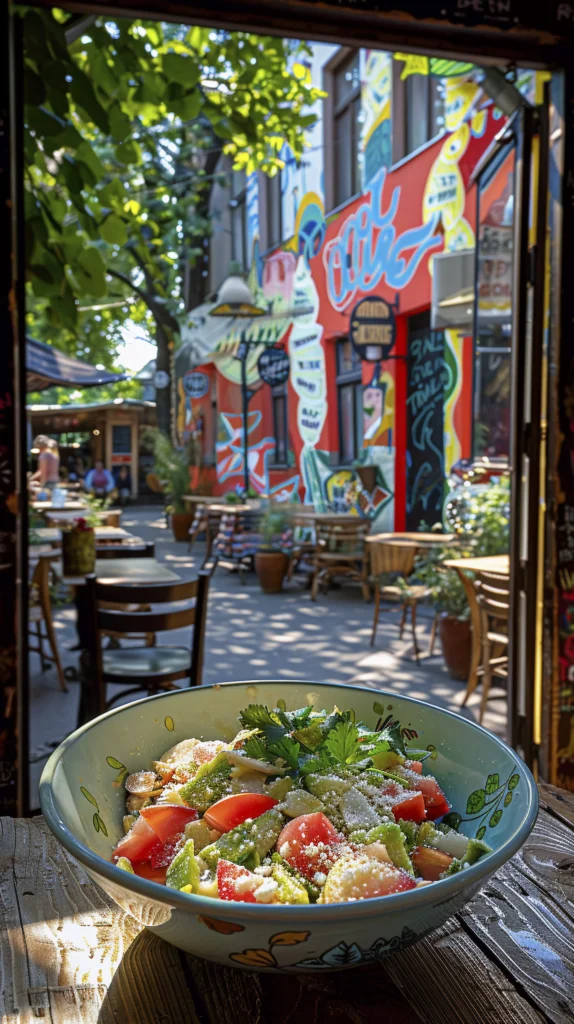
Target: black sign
column 373, row 328
column 273, row 366
column 427, row 377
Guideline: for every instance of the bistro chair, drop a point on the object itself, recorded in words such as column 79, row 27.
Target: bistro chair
column 392, row 564
column 301, row 558
column 125, row 551
column 340, row 551
column 146, row 668
column 40, row 615
column 493, row 596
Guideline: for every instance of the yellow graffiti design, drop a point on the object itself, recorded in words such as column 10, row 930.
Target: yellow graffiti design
column 461, row 95
column 444, row 190
column 414, row 64
column 388, row 413
column 452, row 445
column 459, row 236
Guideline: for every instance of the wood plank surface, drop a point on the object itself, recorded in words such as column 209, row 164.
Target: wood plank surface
column 490, row 563
column 68, row 954
column 126, row 570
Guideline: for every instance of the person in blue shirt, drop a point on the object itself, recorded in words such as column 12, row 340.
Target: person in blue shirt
column 99, row 481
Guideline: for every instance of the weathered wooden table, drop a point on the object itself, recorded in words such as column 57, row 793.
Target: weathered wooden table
column 68, row 955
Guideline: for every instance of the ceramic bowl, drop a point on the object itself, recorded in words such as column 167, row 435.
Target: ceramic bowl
column 492, row 793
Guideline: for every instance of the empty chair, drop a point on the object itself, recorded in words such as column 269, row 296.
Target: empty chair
column 493, row 596
column 392, row 563
column 340, row 551
column 303, row 540
column 40, row 614
column 145, row 667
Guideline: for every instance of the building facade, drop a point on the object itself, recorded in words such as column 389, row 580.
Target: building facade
column 388, row 182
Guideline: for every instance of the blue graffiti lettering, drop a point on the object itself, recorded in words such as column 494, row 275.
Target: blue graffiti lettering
column 368, row 249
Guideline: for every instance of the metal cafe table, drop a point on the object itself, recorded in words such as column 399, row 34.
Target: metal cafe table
column 68, row 955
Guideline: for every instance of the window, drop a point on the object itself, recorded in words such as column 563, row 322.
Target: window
column 346, row 129
column 121, row 439
column 418, row 112
column 349, row 401
column 238, row 207
column 274, row 200
column 493, row 312
column 280, row 428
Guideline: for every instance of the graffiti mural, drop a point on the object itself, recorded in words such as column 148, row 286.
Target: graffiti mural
column 376, row 137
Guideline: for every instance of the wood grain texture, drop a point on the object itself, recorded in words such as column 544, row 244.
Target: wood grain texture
column 68, row 955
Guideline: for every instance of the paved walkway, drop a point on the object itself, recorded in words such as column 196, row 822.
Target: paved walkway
column 251, row 635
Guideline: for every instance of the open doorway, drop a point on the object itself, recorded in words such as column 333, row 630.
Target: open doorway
column 314, row 234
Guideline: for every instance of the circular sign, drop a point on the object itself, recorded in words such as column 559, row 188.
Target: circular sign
column 161, row 380
column 373, row 328
column 195, row 384
column 273, row 366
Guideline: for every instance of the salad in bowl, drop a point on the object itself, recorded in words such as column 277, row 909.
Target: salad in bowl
column 300, row 807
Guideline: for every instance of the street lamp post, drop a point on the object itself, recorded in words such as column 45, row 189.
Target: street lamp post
column 234, row 299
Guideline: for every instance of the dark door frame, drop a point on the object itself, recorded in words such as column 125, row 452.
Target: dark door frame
column 538, row 39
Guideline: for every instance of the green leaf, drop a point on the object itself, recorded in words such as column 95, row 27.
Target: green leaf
column 288, row 749
column 342, row 742
column 317, row 762
column 89, row 797
column 507, row 799
column 34, row 88
column 90, row 272
column 476, row 801
column 481, row 832
column 453, row 820
column 492, row 784
column 184, row 70
column 494, row 819
column 114, row 763
column 255, row 747
column 256, row 716
column 43, row 122
column 83, row 94
column 72, row 175
column 113, row 230
column 187, row 106
column 120, row 124
column 378, row 708
column 88, row 156
column 129, row 153
column 96, row 821
column 513, row 781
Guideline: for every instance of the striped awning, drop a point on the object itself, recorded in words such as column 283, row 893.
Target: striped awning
column 46, row 367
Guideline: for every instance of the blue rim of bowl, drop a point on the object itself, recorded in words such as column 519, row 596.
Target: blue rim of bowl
column 191, row 903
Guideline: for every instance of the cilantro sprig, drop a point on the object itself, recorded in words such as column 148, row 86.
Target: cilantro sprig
column 315, row 741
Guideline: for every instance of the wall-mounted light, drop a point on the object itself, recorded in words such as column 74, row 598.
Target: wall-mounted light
column 96, row 433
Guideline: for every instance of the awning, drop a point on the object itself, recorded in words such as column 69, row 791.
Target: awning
column 46, row 367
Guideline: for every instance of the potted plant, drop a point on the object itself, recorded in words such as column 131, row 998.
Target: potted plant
column 449, row 599
column 480, row 517
column 172, row 466
column 272, row 560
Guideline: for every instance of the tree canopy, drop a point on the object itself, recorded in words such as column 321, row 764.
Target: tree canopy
column 124, row 125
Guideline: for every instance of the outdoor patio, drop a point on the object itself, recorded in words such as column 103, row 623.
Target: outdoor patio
column 251, row 635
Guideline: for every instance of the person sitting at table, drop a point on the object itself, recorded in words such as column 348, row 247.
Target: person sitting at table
column 124, row 484
column 47, row 474
column 99, row 481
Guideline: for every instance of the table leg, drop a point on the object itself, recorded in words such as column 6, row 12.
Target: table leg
column 470, row 592
column 88, row 707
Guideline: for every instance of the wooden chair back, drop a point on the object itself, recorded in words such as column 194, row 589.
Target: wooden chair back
column 346, row 539
column 392, row 557
column 115, row 619
column 125, row 551
column 493, row 595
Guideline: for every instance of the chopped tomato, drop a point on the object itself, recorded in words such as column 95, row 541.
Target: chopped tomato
column 412, row 808
column 430, row 863
column 415, row 766
column 234, row 810
column 309, row 844
column 167, row 819
column 228, row 875
column 152, row 874
column 436, row 802
column 139, row 843
column 163, row 855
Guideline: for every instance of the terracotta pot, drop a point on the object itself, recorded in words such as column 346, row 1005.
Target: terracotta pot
column 181, row 524
column 271, row 567
column 455, row 639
